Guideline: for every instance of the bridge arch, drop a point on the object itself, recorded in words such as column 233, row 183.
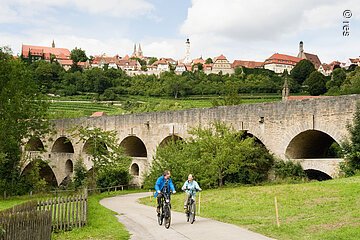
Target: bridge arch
column 91, row 143
column 257, row 139
column 69, row 167
column 170, row 138
column 45, row 171
column 310, row 144
column 62, row 145
column 134, row 169
column 314, row 174
column 134, row 147
column 34, row 145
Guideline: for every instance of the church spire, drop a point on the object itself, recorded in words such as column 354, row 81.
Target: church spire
column 134, row 53
column 53, row 44
column 139, row 52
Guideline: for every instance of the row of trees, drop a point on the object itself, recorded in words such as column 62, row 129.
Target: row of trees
column 24, row 115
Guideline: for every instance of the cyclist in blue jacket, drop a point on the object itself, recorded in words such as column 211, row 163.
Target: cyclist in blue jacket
column 161, row 184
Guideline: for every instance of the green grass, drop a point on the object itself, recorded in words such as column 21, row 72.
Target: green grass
column 8, row 203
column 102, row 222
column 86, row 107
column 315, row 210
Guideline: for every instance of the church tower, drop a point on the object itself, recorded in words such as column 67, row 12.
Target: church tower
column 301, row 53
column 187, row 59
column 134, row 53
column 139, row 52
column 53, row 44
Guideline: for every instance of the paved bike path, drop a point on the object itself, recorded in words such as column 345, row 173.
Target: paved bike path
column 141, row 221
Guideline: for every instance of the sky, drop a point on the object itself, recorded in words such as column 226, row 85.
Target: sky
column 239, row 29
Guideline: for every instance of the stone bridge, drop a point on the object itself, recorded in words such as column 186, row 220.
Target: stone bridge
column 301, row 130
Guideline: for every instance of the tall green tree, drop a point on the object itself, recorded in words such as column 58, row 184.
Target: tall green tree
column 229, row 156
column 316, row 83
column 351, row 146
column 23, row 115
column 302, row 71
column 77, row 55
column 108, row 157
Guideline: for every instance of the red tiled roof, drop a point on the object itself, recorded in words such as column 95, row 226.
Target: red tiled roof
column 130, row 62
column 98, row 114
column 60, row 53
column 65, row 61
column 221, row 57
column 247, row 64
column 304, row 97
column 278, row 58
column 314, row 59
column 198, row 60
column 354, row 60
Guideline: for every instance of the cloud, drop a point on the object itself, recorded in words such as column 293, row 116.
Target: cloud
column 262, row 20
column 17, row 11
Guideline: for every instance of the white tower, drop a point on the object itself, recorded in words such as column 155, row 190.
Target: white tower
column 187, row 59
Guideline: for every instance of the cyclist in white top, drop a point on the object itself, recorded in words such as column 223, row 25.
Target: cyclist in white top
column 190, row 187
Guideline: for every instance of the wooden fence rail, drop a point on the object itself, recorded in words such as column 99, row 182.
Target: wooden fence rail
column 25, row 225
column 67, row 212
column 36, row 219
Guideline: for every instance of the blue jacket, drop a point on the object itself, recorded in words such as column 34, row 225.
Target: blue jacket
column 159, row 185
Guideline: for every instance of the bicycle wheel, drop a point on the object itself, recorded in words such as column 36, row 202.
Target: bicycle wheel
column 160, row 216
column 167, row 216
column 187, row 212
column 192, row 212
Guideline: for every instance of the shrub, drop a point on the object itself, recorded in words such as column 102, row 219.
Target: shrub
column 215, row 156
column 288, row 170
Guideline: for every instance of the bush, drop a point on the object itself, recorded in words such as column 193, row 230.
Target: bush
column 79, row 174
column 215, row 156
column 288, row 170
column 113, row 175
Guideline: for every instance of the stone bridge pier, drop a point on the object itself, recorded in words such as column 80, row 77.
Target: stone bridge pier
column 302, row 130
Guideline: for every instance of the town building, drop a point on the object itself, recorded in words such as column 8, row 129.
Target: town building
column 247, row 64
column 221, row 64
column 313, row 58
column 34, row 53
column 327, row 69
column 281, row 62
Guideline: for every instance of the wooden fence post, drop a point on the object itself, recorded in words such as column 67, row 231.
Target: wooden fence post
column 277, row 213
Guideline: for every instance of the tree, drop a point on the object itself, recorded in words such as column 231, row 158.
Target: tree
column 351, row 146
column 77, row 55
column 23, row 115
column 106, row 154
column 208, row 61
column 152, row 60
column 229, row 156
column 302, row 71
column 338, row 76
column 316, row 83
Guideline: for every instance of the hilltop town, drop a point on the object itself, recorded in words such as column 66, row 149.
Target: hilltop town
column 138, row 63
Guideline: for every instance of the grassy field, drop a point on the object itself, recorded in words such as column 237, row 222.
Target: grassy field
column 102, row 223
column 315, row 210
column 8, row 203
column 79, row 106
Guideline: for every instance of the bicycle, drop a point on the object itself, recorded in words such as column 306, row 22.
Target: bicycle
column 165, row 210
column 191, row 206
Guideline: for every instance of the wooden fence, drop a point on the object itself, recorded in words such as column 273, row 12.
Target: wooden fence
column 25, row 225
column 67, row 212
column 36, row 220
